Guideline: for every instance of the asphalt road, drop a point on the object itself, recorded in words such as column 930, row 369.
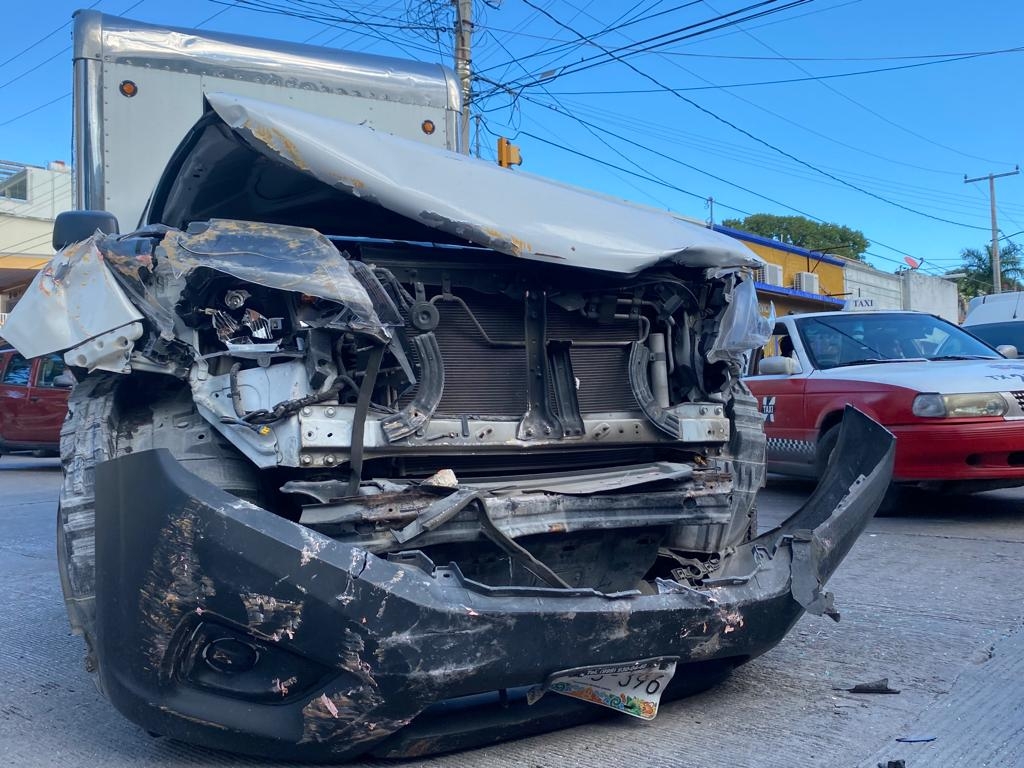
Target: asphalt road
column 933, row 600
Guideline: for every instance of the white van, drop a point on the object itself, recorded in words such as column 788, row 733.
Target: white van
column 997, row 319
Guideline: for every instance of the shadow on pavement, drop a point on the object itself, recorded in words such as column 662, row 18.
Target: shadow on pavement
column 915, row 503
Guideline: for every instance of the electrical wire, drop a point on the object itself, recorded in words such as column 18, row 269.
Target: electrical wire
column 662, row 182
column 726, row 86
column 35, row 109
column 44, row 38
column 61, row 52
column 315, row 13
column 939, row 201
column 864, row 107
column 649, row 44
column 566, row 47
column 666, row 55
column 759, row 140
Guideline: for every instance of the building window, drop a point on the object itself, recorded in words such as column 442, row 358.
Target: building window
column 15, row 188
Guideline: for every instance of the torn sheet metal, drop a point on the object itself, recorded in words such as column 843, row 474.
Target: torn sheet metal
column 72, row 299
column 586, row 483
column 514, row 213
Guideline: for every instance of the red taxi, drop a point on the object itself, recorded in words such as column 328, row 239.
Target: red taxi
column 955, row 405
column 33, row 401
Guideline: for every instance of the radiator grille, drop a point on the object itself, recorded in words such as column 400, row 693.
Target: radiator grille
column 479, row 378
column 486, row 379
column 1019, row 397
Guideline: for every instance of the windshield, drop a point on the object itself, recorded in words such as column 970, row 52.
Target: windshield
column 859, row 339
column 995, row 334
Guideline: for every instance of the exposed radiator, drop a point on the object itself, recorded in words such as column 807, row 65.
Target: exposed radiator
column 486, row 378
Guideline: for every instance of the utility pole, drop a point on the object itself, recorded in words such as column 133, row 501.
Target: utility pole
column 463, row 63
column 997, row 272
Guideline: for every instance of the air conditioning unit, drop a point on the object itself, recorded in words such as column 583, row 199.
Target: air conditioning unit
column 806, row 282
column 770, row 274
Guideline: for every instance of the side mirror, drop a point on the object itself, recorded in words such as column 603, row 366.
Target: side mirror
column 75, row 226
column 1007, row 350
column 777, row 366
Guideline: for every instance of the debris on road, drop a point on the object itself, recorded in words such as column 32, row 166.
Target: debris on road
column 877, row 686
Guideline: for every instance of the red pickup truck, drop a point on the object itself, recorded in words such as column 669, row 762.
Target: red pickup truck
column 33, row 401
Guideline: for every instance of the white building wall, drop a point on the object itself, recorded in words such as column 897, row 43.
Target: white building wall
column 870, row 288
column 26, row 226
column 933, row 295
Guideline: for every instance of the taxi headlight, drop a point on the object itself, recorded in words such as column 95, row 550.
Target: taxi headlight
column 959, row 406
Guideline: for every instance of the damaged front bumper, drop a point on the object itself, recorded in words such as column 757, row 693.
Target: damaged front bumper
column 222, row 624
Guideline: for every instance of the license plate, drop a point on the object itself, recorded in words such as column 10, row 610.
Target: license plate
column 633, row 688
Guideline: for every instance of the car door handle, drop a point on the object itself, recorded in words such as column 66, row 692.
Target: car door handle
column 34, row 399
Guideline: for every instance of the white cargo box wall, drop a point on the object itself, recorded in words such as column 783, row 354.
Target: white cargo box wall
column 122, row 142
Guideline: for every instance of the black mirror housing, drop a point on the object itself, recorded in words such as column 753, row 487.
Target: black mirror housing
column 74, row 226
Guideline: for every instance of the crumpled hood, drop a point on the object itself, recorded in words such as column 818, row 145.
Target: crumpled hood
column 945, row 377
column 512, row 212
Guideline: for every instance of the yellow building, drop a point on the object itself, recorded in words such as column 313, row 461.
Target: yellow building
column 794, row 279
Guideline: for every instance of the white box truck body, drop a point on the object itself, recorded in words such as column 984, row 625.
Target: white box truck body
column 139, row 88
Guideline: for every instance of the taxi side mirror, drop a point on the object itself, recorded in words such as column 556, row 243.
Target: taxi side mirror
column 1007, row 350
column 777, row 366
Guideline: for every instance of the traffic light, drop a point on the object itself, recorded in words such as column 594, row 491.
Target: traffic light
column 508, row 153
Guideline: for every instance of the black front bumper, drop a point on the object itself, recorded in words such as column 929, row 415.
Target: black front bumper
column 219, row 623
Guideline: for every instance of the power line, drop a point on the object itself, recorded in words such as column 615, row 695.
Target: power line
column 44, row 38
column 313, row 14
column 800, row 125
column 34, row 109
column 61, row 52
column 666, row 55
column 619, row 54
column 791, row 59
column 593, row 132
column 657, row 180
column 645, row 177
column 565, row 47
column 790, row 18
column 878, row 115
column 789, row 80
column 759, row 140
column 771, row 161
column 661, row 182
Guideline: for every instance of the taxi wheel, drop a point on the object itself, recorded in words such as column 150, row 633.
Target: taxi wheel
column 826, row 445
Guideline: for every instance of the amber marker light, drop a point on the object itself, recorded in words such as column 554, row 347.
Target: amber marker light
column 128, row 88
column 428, row 127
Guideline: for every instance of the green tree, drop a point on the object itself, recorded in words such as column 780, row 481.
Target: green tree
column 804, row 233
column 976, row 264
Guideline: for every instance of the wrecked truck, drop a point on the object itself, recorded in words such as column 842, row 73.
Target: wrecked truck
column 380, row 449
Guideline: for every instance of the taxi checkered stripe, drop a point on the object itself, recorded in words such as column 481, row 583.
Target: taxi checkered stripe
column 790, row 446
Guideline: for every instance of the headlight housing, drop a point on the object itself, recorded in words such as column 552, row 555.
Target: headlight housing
column 932, row 405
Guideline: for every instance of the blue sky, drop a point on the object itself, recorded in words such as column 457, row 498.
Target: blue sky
column 884, row 152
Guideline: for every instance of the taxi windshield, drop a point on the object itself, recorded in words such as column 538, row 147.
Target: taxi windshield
column 861, row 339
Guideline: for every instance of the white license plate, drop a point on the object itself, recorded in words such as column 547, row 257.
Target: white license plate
column 633, row 688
